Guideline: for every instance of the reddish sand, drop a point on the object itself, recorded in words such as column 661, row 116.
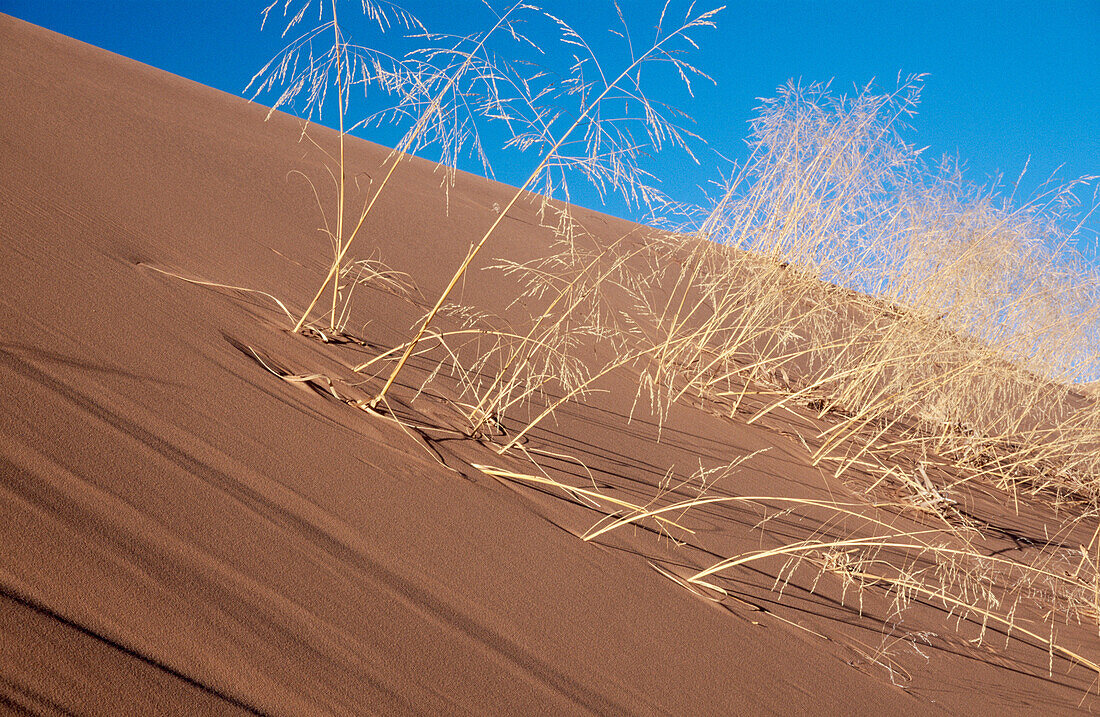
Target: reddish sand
column 182, row 532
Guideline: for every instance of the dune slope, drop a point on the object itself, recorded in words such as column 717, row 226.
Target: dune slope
column 183, row 532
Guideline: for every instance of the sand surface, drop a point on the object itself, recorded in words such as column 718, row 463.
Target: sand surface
column 183, row 532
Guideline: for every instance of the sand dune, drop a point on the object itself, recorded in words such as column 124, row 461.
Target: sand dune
column 183, row 532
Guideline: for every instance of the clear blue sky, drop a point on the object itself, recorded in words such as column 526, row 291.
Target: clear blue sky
column 1007, row 80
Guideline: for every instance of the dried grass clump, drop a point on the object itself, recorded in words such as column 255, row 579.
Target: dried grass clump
column 839, row 271
column 512, row 371
column 586, row 118
column 609, row 149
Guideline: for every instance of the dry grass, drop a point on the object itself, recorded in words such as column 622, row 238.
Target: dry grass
column 610, row 151
column 942, row 329
column 931, row 566
column 964, row 354
column 840, row 273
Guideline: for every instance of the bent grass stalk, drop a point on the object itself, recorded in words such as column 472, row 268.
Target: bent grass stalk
column 573, row 490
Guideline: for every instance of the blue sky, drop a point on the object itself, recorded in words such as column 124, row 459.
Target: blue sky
column 1007, row 81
